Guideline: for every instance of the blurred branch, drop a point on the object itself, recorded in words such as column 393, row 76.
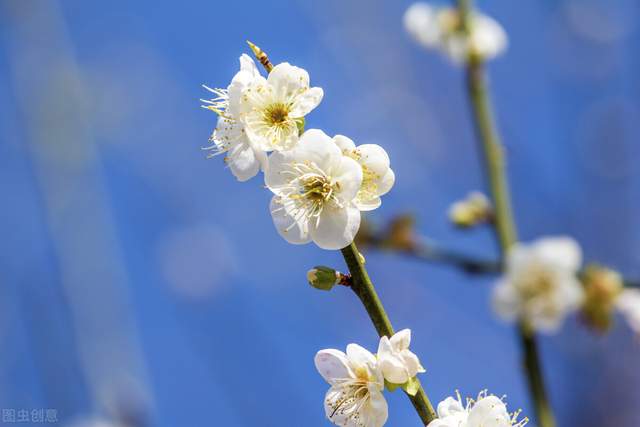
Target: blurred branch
column 399, row 235
column 504, row 224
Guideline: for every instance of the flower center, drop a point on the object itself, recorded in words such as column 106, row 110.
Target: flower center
column 308, row 191
column 538, row 282
column 276, row 114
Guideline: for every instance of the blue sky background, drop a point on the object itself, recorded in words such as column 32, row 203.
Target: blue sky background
column 137, row 276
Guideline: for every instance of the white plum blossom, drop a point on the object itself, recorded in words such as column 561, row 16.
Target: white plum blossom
column 355, row 398
column 315, row 187
column 229, row 137
column 486, row 410
column 628, row 304
column 377, row 176
column 273, row 108
column 540, row 285
column 440, row 28
column 397, row 363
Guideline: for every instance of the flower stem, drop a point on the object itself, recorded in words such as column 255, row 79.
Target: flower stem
column 504, row 223
column 363, row 287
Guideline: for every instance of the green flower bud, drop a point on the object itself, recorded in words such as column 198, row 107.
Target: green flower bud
column 324, row 278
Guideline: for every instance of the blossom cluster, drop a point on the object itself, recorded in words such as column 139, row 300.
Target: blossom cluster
column 357, row 379
column 320, row 183
column 541, row 286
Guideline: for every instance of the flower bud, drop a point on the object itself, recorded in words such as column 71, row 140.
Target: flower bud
column 474, row 210
column 602, row 287
column 324, row 278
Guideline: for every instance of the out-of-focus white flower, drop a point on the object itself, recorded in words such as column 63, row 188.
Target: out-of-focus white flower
column 315, row 188
column 440, row 28
column 485, row 411
column 244, row 158
column 272, row 108
column 540, row 284
column 397, row 363
column 628, row 303
column 377, row 176
column 355, row 398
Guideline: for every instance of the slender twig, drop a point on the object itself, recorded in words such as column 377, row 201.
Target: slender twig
column 363, row 287
column 504, row 224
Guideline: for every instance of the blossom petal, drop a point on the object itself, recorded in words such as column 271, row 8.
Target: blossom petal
column 336, row 228
column 401, row 339
column 275, row 175
column 375, row 411
column 245, row 162
column 490, row 412
column 374, row 157
column 360, row 356
column 305, row 102
column 295, row 232
column 345, row 143
column 333, row 365
column 369, row 204
column 420, row 23
column 288, row 81
column 448, row 407
column 317, row 147
column 348, row 174
column 505, row 300
column 411, row 362
column 629, row 305
column 563, row 252
column 247, row 64
column 386, row 182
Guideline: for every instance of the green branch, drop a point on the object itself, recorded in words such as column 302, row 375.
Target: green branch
column 363, row 287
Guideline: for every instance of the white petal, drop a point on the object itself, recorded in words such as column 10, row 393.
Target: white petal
column 401, row 340
column 411, row 362
column 420, row 23
column 247, row 64
column 385, row 347
column 563, row 252
column 345, row 144
column 386, row 182
column 505, row 300
column 333, row 365
column 489, row 412
column 448, row 407
column 375, row 412
column 374, row 158
column 227, row 133
column 368, row 205
column 275, row 175
column 348, row 174
column 394, row 369
column 295, row 232
column 337, row 227
column 629, row 305
column 288, row 81
column 316, row 146
column 360, row 356
column 244, row 161
column 488, row 37
column 306, row 102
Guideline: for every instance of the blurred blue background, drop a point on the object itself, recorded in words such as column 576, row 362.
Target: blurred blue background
column 139, row 280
